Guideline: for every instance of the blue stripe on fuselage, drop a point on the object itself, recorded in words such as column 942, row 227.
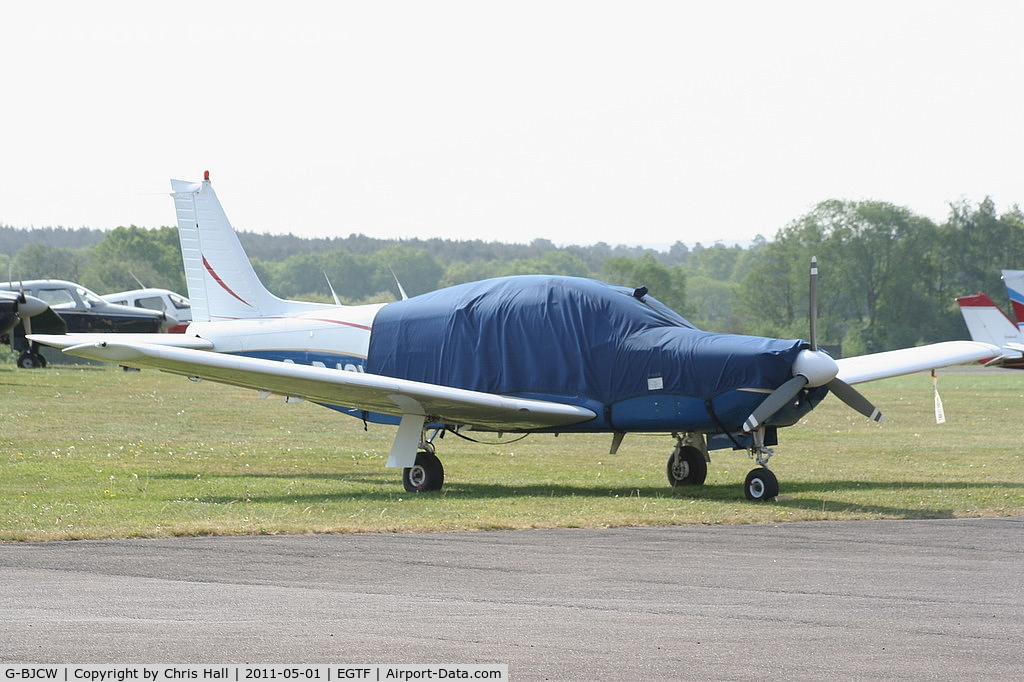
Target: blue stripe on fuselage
column 318, row 358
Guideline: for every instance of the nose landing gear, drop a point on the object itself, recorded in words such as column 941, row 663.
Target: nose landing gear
column 761, row 484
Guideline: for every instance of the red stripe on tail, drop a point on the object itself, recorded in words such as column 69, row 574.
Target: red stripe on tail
column 218, row 280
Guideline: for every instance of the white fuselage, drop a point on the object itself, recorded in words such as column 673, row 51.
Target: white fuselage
column 337, row 337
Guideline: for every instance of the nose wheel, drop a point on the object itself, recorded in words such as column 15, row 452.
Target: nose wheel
column 761, row 485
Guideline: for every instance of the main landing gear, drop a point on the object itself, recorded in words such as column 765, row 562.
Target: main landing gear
column 688, row 465
column 30, row 359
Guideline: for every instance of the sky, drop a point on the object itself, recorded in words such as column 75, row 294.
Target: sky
column 636, row 123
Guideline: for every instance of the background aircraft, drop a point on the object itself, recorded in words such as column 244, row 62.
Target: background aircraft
column 20, row 319
column 75, row 309
column 987, row 322
column 1014, row 281
column 16, row 307
column 175, row 306
column 514, row 354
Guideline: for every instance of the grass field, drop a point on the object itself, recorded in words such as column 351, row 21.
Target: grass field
column 96, row 452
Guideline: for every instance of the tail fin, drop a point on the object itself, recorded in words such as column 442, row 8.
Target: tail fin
column 221, row 281
column 987, row 322
column 1014, row 280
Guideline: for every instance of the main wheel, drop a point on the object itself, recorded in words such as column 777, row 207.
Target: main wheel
column 30, row 360
column 761, row 485
column 426, row 474
column 689, row 468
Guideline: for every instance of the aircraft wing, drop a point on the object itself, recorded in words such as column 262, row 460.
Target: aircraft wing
column 63, row 341
column 861, row 368
column 371, row 392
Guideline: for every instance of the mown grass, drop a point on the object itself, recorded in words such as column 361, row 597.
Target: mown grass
column 95, row 452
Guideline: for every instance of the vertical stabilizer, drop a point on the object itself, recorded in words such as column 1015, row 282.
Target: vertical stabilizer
column 986, row 322
column 1014, row 281
column 222, row 284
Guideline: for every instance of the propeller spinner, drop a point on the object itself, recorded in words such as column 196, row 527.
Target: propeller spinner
column 811, row 368
column 29, row 307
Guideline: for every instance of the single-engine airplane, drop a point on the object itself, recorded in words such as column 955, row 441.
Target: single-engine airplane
column 512, row 355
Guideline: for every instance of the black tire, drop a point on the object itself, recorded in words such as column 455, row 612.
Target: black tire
column 425, row 475
column 30, row 360
column 761, row 485
column 690, row 469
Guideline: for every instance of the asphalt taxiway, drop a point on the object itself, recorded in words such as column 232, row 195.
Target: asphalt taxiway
column 914, row 599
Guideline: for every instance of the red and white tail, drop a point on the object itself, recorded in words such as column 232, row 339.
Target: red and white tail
column 987, row 323
column 222, row 284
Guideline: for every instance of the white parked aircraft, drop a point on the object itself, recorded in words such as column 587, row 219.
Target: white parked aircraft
column 513, row 354
column 172, row 304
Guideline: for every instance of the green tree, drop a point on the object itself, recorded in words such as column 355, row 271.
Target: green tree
column 976, row 244
column 305, row 276
column 877, row 272
column 470, row 271
column 130, row 255
column 552, row 263
column 714, row 262
column 36, row 261
column 416, row 269
column 713, row 304
column 667, row 284
column 772, row 296
column 882, row 266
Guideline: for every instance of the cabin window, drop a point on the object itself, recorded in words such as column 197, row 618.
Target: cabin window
column 150, row 303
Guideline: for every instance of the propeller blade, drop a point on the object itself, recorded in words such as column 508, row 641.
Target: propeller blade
column 812, row 304
column 775, row 401
column 811, row 368
column 852, row 397
column 844, row 391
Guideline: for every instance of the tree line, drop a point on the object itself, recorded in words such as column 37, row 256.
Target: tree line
column 888, row 279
